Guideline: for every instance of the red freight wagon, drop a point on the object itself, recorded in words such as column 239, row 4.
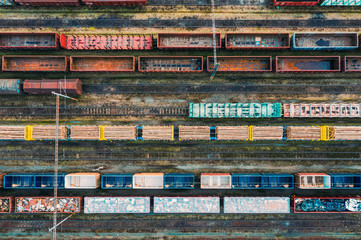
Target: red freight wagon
column 16, row 41
column 114, row 2
column 48, row 2
column 352, row 63
column 34, row 63
column 102, row 63
column 257, row 41
column 241, row 63
column 187, row 40
column 47, row 86
column 170, row 64
column 107, row 41
column 295, row 2
column 308, row 64
column 6, row 204
column 45, row 204
column 327, row 204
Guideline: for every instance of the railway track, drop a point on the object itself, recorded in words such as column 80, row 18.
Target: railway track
column 193, row 224
column 221, row 88
column 177, row 23
column 94, row 111
column 99, row 155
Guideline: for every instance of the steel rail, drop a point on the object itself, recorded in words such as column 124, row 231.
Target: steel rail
column 181, row 156
column 186, row 224
column 94, row 111
column 218, row 88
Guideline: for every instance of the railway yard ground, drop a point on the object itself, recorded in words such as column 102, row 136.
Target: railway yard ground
column 162, row 99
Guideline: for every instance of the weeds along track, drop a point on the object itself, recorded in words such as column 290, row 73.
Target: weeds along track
column 95, row 111
column 220, row 88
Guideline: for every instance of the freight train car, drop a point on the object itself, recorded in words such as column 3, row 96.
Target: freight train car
column 322, row 110
column 341, row 3
column 102, row 64
column 235, row 110
column 257, row 205
column 48, row 2
column 186, row 133
column 47, row 86
column 181, row 181
column 295, row 2
column 47, row 204
column 43, row 87
column 308, row 64
column 352, row 63
column 187, row 40
column 241, row 64
column 35, row 63
column 325, row 41
column 257, row 41
column 178, row 64
column 116, row 205
column 182, row 205
column 106, row 41
column 25, row 41
column 6, row 204
column 327, row 204
column 6, row 3
column 114, row 2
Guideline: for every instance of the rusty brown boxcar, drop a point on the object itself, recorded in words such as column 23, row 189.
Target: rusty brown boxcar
column 102, row 63
column 241, row 63
column 34, row 63
column 17, row 41
column 47, row 86
column 48, row 2
column 114, row 2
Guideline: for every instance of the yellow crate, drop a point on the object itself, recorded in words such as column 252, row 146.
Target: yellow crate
column 29, row 133
column 101, row 133
column 172, row 133
column 250, row 133
column 325, row 133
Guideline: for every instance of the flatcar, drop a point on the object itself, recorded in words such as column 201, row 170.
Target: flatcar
column 186, row 133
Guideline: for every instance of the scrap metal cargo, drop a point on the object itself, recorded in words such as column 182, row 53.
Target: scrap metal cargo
column 256, row 205
column 186, row 205
column 117, row 205
column 46, row 204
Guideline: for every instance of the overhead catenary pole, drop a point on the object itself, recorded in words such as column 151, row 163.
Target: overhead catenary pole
column 216, row 64
column 56, row 163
